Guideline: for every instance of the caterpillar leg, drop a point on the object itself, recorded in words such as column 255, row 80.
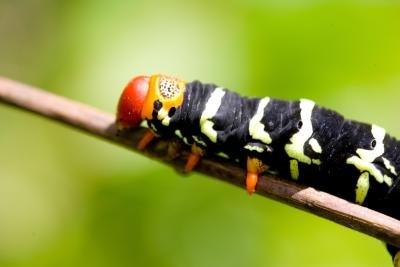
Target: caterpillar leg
column 254, row 168
column 146, row 139
column 194, row 157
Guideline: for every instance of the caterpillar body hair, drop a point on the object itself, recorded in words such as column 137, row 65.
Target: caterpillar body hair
column 299, row 140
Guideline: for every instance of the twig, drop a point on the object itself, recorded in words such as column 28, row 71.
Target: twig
column 102, row 125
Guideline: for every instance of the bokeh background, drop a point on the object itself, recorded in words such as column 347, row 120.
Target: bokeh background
column 68, row 199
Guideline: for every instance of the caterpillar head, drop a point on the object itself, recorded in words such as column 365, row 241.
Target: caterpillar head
column 137, row 100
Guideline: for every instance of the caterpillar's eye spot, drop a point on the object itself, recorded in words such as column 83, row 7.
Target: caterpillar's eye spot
column 169, row 87
column 373, row 143
column 299, row 125
column 171, row 112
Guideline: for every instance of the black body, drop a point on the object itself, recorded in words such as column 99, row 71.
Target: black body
column 338, row 138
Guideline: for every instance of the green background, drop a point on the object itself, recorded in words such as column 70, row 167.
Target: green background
column 68, row 199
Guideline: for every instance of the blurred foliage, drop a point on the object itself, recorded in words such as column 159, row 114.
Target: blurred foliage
column 67, row 199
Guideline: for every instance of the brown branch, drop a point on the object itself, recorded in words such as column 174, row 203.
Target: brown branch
column 102, row 125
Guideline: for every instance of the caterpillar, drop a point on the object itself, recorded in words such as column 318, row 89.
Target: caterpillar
column 300, row 140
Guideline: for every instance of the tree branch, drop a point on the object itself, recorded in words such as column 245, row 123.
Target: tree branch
column 102, row 125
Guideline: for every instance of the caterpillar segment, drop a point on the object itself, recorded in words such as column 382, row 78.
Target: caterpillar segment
column 298, row 140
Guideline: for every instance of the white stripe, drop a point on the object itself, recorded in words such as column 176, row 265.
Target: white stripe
column 211, row 108
column 365, row 157
column 294, row 169
column 144, row 124
column 254, row 148
column 198, row 141
column 153, row 127
column 388, row 180
column 389, row 166
column 185, row 141
column 316, row 161
column 166, row 121
column 256, row 128
column 315, row 145
column 162, row 115
column 223, row 155
column 365, row 166
column 178, row 133
column 362, row 187
column 295, row 149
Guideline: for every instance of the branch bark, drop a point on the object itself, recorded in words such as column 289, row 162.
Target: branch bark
column 101, row 124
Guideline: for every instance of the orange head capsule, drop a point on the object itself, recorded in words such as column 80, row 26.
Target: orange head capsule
column 131, row 102
column 137, row 99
